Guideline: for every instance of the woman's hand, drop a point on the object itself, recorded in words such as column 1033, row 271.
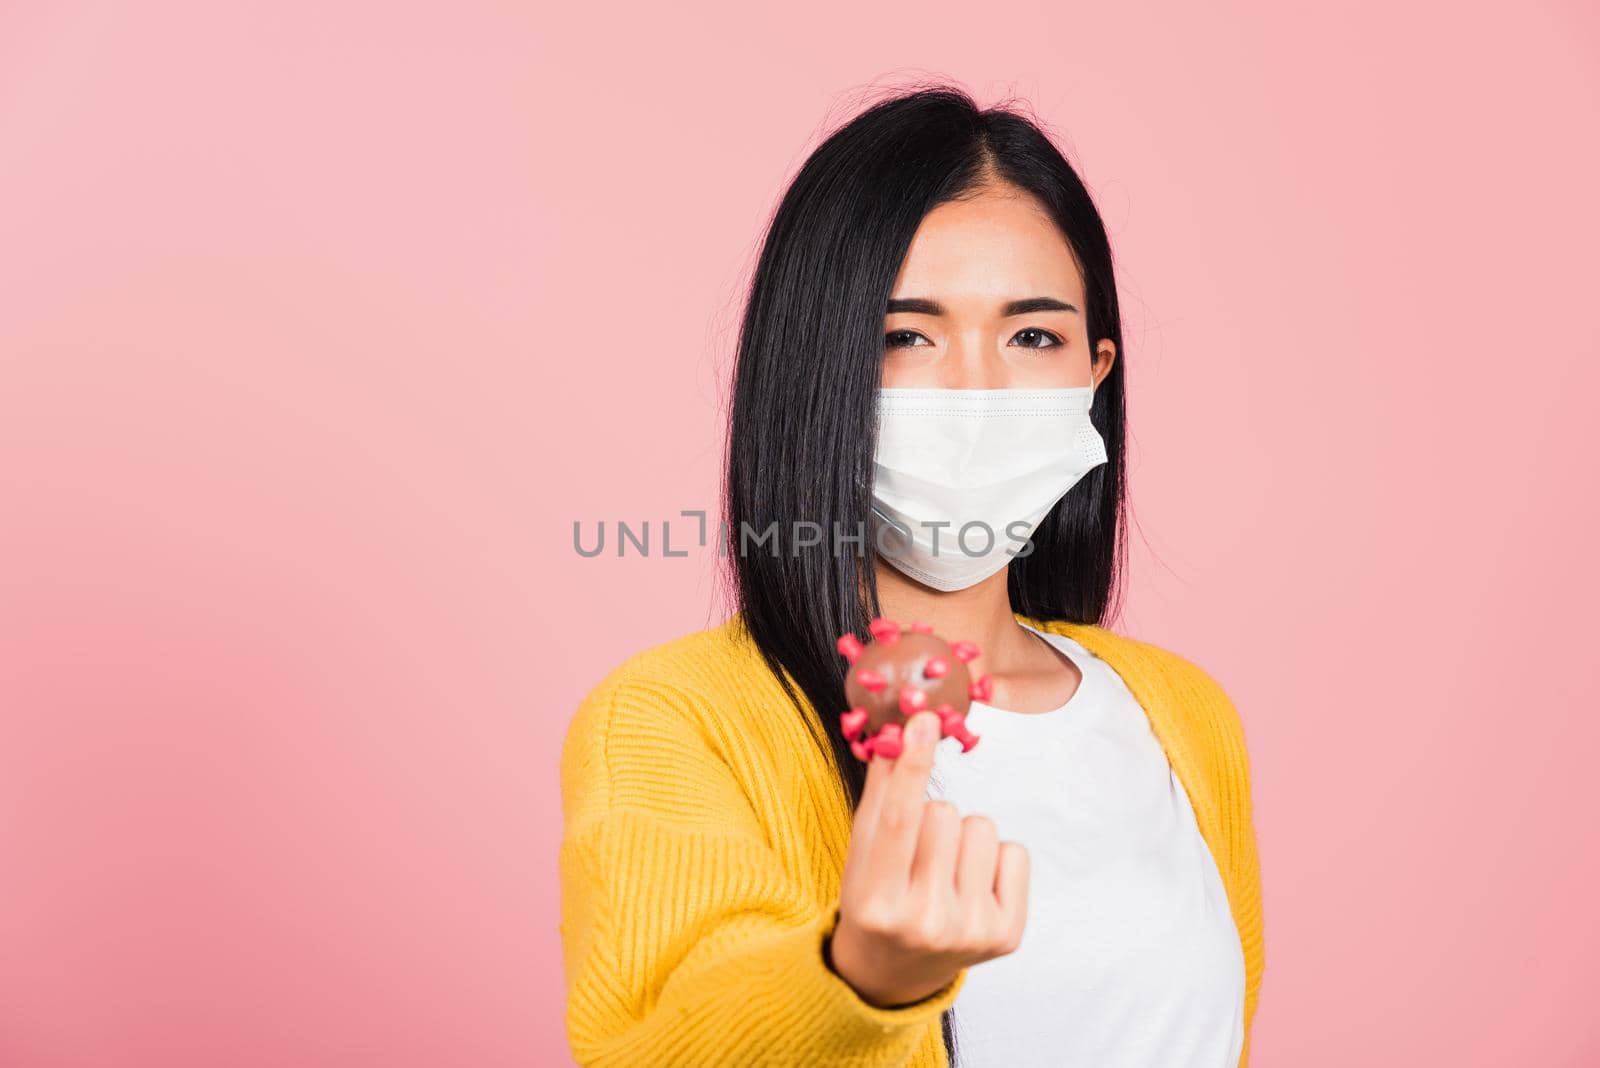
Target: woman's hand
column 925, row 893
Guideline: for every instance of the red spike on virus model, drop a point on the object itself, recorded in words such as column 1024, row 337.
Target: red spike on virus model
column 903, row 671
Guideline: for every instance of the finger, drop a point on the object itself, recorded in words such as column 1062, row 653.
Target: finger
column 1011, row 884
column 899, row 818
column 938, row 846
column 908, row 775
column 871, row 803
column 978, row 858
column 872, row 792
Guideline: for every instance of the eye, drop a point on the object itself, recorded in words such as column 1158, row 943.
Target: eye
column 1035, row 338
column 904, row 339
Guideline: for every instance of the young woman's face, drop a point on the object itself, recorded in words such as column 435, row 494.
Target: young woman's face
column 989, row 297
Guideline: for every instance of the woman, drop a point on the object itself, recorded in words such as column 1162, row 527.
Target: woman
column 932, row 337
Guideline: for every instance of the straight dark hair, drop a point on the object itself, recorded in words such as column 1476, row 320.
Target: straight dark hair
column 802, row 426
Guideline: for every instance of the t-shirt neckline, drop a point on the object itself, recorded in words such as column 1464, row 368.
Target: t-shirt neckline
column 1005, row 721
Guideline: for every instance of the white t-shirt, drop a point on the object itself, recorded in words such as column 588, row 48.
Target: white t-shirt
column 1130, row 957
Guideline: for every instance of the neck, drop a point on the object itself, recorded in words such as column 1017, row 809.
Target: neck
column 980, row 613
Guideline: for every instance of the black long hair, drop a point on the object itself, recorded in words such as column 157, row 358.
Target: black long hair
column 802, row 426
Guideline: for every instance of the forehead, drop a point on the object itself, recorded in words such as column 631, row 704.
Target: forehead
column 997, row 245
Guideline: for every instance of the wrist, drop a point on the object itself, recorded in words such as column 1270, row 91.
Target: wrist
column 897, row 996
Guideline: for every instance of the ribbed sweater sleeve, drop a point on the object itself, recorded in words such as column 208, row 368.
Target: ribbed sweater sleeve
column 1244, row 876
column 686, row 940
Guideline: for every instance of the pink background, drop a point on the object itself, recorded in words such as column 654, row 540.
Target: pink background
column 321, row 324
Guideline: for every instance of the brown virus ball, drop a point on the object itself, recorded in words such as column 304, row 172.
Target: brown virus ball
column 903, row 671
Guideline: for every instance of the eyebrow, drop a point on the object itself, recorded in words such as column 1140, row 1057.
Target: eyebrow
column 923, row 306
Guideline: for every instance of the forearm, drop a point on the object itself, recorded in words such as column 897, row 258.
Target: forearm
column 743, row 982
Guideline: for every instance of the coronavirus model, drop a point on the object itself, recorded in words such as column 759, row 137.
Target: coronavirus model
column 903, row 671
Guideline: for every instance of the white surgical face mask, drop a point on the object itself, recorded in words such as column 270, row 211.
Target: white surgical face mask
column 992, row 461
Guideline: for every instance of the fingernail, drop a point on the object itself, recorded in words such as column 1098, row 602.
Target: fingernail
column 924, row 728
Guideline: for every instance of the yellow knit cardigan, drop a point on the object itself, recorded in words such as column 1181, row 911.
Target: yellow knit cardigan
column 705, row 835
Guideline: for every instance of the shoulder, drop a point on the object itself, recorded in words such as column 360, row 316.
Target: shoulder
column 680, row 675
column 664, row 712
